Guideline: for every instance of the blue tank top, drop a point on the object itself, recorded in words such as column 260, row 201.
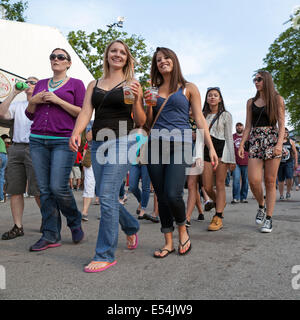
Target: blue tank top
column 175, row 114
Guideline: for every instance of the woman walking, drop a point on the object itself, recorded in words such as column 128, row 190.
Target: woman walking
column 110, row 146
column 265, row 125
column 54, row 106
column 220, row 125
column 176, row 96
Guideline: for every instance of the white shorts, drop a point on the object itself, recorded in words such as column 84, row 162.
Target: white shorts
column 89, row 183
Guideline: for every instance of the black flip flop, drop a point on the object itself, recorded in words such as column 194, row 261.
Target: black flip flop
column 182, row 245
column 161, row 250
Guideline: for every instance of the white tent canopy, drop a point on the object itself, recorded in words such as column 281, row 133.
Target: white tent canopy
column 25, row 50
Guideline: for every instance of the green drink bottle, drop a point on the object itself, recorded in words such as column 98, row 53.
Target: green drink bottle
column 21, row 85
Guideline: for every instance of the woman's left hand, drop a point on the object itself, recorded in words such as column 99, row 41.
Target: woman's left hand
column 136, row 89
column 277, row 151
column 51, row 97
column 213, row 158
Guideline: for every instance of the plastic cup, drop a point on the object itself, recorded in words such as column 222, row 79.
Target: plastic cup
column 128, row 94
column 152, row 101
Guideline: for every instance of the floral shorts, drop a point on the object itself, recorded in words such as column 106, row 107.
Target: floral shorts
column 262, row 142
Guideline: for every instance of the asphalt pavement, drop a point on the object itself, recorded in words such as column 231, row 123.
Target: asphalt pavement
column 235, row 263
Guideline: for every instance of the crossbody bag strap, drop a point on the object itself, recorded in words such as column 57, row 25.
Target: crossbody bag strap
column 215, row 119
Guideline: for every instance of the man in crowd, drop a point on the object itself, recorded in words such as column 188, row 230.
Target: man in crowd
column 19, row 166
column 239, row 192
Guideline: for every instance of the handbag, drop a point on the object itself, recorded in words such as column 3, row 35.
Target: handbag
column 142, row 155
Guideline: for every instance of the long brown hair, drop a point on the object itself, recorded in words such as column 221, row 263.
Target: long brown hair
column 221, row 106
column 176, row 75
column 270, row 95
column 128, row 69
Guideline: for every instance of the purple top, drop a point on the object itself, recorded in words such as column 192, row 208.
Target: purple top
column 51, row 119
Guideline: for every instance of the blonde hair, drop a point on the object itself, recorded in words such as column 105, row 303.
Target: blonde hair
column 128, row 69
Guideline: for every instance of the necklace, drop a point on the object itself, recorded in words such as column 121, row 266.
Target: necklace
column 55, row 84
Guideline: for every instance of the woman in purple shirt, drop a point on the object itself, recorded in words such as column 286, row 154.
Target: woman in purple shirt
column 54, row 106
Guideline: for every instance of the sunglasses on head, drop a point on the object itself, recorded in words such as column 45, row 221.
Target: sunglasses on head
column 59, row 56
column 213, row 88
column 31, row 82
column 258, row 79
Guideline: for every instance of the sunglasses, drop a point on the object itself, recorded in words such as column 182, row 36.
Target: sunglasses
column 60, row 57
column 31, row 82
column 213, row 88
column 258, row 79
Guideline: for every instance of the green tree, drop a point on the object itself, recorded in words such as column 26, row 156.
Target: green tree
column 90, row 48
column 283, row 62
column 14, row 11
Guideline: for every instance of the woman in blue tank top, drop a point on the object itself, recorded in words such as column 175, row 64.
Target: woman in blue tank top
column 168, row 133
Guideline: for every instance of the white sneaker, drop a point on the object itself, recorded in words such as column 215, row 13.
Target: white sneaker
column 260, row 216
column 267, row 226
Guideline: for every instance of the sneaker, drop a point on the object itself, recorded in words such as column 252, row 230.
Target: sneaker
column 244, row 201
column 260, row 216
column 43, row 244
column 235, row 201
column 267, row 226
column 2, row 201
column 188, row 223
column 216, row 224
column 281, row 198
column 200, row 217
column 209, row 204
column 288, row 196
column 77, row 234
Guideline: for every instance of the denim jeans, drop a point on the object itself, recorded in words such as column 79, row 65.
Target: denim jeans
column 52, row 162
column 240, row 192
column 109, row 177
column 137, row 172
column 3, row 162
column 168, row 181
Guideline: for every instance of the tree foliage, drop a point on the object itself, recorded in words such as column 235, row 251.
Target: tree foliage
column 91, row 47
column 283, row 62
column 14, row 11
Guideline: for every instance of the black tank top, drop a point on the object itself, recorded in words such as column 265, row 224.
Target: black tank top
column 259, row 116
column 111, row 110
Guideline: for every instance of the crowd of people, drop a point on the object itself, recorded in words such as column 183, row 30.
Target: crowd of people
column 55, row 143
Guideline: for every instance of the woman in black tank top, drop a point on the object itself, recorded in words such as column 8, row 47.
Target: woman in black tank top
column 106, row 97
column 265, row 112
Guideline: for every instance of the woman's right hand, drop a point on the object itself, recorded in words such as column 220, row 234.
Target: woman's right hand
column 241, row 151
column 147, row 95
column 74, row 142
column 38, row 98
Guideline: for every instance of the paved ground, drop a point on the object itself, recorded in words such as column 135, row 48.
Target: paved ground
column 237, row 262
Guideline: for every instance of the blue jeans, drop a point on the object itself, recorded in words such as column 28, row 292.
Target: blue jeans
column 240, row 192
column 3, row 162
column 109, row 177
column 52, row 162
column 137, row 172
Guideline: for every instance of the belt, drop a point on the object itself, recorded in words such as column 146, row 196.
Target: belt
column 21, row 143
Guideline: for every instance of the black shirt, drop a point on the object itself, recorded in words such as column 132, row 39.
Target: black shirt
column 259, row 116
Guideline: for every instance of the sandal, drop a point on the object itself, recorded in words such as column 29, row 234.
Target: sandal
column 161, row 251
column 182, row 246
column 98, row 269
column 133, row 246
column 13, row 233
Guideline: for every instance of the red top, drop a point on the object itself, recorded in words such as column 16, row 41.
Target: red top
column 236, row 142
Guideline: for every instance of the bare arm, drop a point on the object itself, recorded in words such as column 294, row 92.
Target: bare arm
column 247, row 129
column 295, row 153
column 281, row 126
column 4, row 106
column 83, row 118
column 139, row 116
column 195, row 101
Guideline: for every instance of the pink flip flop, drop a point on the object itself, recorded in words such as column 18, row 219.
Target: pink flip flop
column 132, row 247
column 110, row 264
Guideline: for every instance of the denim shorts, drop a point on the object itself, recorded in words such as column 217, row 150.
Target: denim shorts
column 285, row 171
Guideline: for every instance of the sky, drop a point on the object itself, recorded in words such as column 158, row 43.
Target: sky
column 218, row 42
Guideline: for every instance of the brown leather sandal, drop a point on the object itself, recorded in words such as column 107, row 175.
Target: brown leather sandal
column 13, row 233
